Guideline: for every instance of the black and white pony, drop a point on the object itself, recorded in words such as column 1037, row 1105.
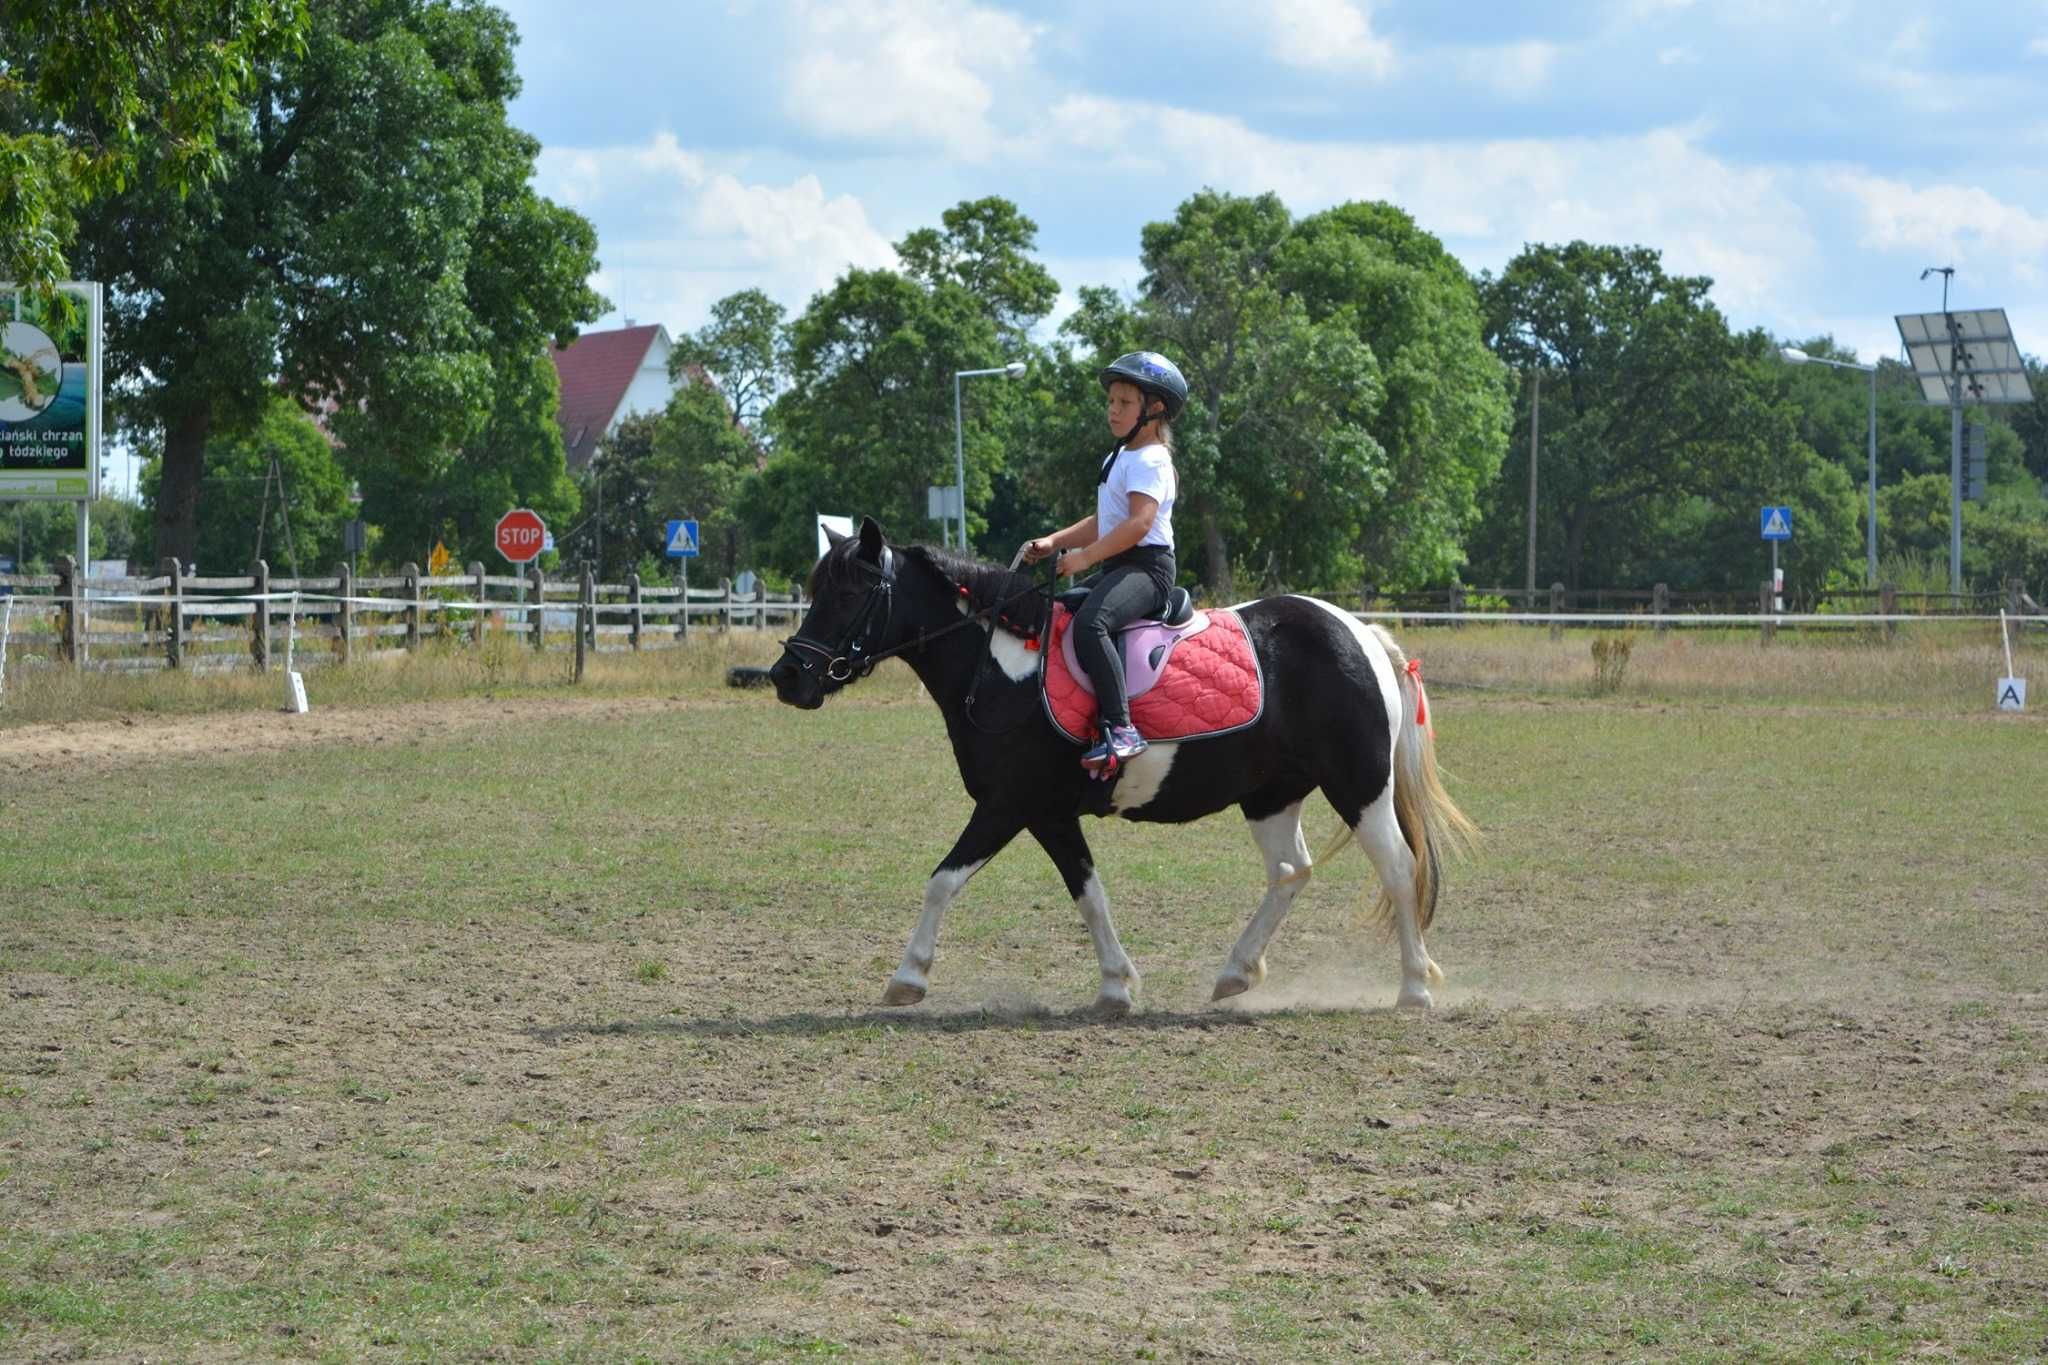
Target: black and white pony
column 1340, row 717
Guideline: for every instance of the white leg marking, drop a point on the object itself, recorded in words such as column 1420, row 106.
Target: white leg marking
column 1379, row 834
column 1286, row 853
column 1146, row 774
column 911, row 981
column 1119, row 974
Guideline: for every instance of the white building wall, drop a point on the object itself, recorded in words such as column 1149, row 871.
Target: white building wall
column 651, row 387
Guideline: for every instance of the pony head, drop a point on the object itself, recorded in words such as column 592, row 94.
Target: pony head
column 853, row 601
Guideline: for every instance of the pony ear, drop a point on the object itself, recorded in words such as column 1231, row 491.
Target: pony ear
column 870, row 539
column 833, row 540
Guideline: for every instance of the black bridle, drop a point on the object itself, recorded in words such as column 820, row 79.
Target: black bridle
column 848, row 657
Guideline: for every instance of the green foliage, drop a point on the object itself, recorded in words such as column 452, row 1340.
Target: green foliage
column 238, row 509
column 372, row 240
column 867, row 423
column 97, row 97
column 689, row 461
column 35, row 535
column 744, row 349
column 1443, row 424
column 1661, row 432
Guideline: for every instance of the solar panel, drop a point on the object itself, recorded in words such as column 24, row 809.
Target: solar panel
column 1973, row 349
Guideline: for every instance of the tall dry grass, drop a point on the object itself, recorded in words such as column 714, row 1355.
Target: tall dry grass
column 500, row 666
column 1939, row 667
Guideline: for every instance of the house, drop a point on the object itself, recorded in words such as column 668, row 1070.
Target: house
column 607, row 377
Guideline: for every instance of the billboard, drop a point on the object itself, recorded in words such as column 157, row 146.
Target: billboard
column 50, row 376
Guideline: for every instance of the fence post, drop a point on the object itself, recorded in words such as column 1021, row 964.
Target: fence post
column 1366, row 593
column 2015, row 589
column 1888, row 606
column 725, row 615
column 1457, row 603
column 174, row 629
column 1557, row 609
column 409, row 572
column 633, row 620
column 1763, row 606
column 761, row 604
column 259, row 620
column 69, row 588
column 586, row 595
column 346, row 619
column 537, row 584
column 1660, row 605
column 476, row 633
column 683, row 602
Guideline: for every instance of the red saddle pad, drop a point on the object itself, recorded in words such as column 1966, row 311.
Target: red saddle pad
column 1211, row 686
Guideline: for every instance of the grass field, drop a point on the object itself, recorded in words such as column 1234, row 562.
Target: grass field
column 531, row 1025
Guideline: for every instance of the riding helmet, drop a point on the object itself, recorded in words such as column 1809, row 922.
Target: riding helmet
column 1154, row 374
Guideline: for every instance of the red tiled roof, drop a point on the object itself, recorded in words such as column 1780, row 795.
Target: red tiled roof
column 595, row 371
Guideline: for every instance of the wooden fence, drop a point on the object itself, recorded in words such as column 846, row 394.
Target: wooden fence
column 177, row 620
column 201, row 624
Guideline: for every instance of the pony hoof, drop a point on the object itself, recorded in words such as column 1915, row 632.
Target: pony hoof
column 903, row 993
column 1111, row 1007
column 1237, row 982
column 1416, row 999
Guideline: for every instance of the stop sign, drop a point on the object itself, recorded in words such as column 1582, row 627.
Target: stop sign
column 521, row 534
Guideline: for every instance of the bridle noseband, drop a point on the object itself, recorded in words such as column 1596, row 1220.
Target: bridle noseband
column 848, row 655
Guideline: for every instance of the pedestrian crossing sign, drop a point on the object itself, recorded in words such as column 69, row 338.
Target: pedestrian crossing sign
column 1777, row 523
column 682, row 540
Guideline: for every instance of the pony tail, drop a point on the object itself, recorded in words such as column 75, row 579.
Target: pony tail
column 1429, row 819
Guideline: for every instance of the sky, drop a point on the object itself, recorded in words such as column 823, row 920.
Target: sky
column 1811, row 157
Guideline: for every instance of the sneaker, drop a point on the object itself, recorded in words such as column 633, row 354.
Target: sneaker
column 1120, row 744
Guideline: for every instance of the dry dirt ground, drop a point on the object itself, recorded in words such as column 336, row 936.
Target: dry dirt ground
column 586, row 1130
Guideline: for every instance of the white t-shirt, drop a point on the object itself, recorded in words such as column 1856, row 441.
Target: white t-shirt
column 1147, row 470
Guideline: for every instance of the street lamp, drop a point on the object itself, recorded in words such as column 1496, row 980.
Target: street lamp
column 1793, row 356
column 1535, row 430
column 1012, row 370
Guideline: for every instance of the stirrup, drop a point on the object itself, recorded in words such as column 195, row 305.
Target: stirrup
column 1118, row 747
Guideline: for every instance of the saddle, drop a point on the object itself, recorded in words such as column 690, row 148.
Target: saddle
column 1189, row 674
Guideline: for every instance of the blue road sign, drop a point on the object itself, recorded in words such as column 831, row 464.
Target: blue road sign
column 682, row 540
column 1777, row 523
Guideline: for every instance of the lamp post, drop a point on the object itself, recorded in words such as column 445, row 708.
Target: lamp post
column 1535, row 429
column 1793, row 356
column 1012, row 370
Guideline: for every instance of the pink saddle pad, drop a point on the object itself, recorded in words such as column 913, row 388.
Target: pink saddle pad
column 1185, row 682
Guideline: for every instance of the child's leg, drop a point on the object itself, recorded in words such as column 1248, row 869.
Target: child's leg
column 1124, row 595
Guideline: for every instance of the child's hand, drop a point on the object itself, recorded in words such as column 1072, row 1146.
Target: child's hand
column 1035, row 550
column 1073, row 563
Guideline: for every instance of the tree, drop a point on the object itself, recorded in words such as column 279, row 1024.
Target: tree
column 98, row 97
column 1661, row 431
column 984, row 247
column 374, row 242
column 246, row 514
column 866, row 422
column 687, row 462
column 744, row 350
column 1275, row 451
column 1443, row 424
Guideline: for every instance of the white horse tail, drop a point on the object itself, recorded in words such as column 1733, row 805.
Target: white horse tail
column 1429, row 819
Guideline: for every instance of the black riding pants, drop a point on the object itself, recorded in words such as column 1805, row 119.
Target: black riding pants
column 1130, row 588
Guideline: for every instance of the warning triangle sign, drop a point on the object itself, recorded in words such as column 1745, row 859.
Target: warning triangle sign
column 1775, row 525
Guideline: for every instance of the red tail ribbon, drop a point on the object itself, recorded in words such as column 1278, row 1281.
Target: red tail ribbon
column 1421, row 697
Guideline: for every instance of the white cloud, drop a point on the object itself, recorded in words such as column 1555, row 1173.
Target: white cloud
column 1742, row 225
column 1328, row 35
column 1960, row 221
column 1517, row 70
column 1677, row 56
column 2038, row 48
column 917, row 71
column 699, row 233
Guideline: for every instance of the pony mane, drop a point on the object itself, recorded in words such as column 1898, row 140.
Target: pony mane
column 989, row 585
